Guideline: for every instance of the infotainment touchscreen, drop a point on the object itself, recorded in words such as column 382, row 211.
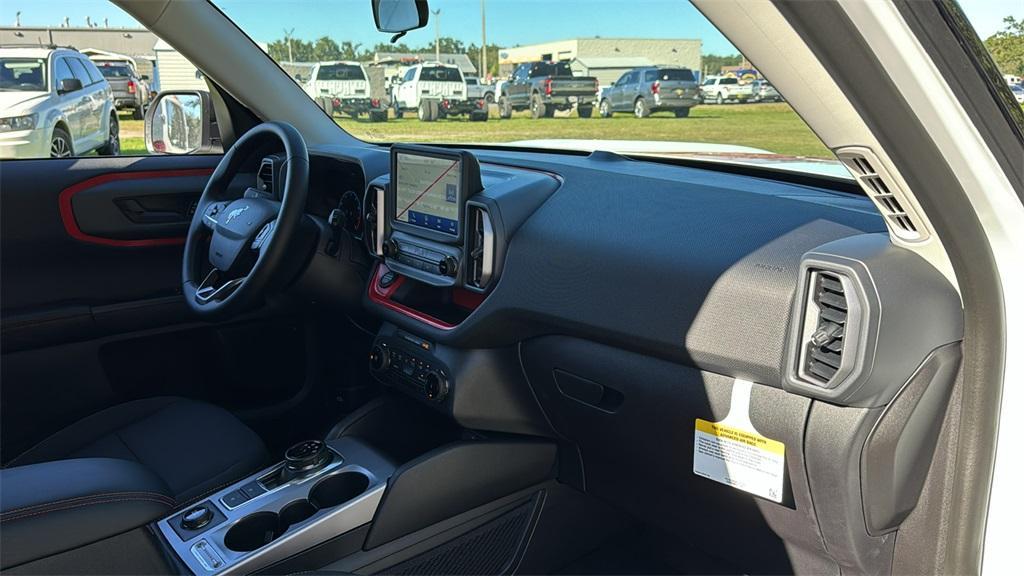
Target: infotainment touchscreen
column 427, row 190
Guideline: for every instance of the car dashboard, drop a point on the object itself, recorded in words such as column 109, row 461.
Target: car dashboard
column 611, row 303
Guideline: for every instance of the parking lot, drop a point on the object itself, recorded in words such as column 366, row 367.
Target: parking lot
column 773, row 127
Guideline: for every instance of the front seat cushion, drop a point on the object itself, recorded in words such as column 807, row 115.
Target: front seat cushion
column 196, row 448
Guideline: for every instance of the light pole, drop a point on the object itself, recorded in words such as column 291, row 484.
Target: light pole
column 288, row 39
column 483, row 47
column 437, row 34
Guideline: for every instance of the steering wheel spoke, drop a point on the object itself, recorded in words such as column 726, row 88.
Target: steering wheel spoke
column 211, row 214
column 213, row 289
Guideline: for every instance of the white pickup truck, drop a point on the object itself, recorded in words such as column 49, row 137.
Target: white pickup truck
column 719, row 90
column 342, row 86
column 434, row 91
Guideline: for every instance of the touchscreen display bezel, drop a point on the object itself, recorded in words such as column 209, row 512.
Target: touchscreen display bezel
column 467, row 168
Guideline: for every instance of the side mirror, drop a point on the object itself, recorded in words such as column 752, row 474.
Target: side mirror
column 69, row 85
column 400, row 16
column 144, row 77
column 182, row 122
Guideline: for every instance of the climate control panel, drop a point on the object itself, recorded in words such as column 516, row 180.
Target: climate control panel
column 405, row 363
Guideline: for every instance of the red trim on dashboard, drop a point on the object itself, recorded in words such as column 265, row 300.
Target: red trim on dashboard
column 466, row 299
column 67, row 211
column 382, row 296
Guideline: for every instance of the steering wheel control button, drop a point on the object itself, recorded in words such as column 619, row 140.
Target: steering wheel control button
column 196, row 518
column 306, row 456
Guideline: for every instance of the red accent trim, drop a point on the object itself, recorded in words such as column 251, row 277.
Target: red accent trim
column 67, row 211
column 382, row 296
column 466, row 299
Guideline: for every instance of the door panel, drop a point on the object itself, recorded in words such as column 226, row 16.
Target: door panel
column 90, row 255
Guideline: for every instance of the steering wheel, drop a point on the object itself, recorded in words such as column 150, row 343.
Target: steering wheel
column 249, row 237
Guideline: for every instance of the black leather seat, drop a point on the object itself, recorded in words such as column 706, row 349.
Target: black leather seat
column 194, row 447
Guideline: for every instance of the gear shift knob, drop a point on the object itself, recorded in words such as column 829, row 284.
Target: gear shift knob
column 306, row 456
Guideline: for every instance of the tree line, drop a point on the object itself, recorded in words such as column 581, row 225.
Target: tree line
column 326, row 48
column 1007, row 47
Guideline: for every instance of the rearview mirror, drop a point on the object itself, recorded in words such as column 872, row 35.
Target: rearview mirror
column 400, row 16
column 69, row 85
column 182, row 122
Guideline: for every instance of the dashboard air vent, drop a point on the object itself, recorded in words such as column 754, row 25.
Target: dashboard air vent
column 265, row 176
column 373, row 221
column 825, row 326
column 481, row 248
column 889, row 199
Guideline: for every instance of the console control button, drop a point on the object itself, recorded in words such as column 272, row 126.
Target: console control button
column 436, row 387
column 235, row 499
column 196, row 518
column 253, row 489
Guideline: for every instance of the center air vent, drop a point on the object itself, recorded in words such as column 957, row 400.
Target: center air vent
column 826, row 324
column 481, row 248
column 265, row 176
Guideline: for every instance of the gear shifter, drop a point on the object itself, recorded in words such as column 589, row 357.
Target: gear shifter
column 305, row 457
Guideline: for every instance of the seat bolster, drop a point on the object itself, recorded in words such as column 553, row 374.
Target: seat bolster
column 89, row 429
column 56, row 506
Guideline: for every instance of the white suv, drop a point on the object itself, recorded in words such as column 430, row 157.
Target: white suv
column 54, row 103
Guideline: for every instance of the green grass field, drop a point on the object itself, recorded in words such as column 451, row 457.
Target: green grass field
column 772, row 127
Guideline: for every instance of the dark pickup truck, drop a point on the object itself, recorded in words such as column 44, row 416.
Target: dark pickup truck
column 543, row 87
column 131, row 92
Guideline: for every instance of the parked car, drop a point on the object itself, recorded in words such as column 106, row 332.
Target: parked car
column 342, row 86
column 719, row 89
column 54, row 102
column 765, row 92
column 477, row 89
column 1018, row 93
column 544, row 87
column 130, row 89
column 646, row 90
column 434, row 91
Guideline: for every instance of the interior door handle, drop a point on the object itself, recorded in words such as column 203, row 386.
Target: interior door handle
column 140, row 215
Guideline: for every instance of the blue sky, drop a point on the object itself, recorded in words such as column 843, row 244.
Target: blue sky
column 509, row 22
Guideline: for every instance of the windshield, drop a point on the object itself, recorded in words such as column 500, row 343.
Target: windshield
column 23, row 74
column 340, row 72
column 110, row 70
column 513, row 48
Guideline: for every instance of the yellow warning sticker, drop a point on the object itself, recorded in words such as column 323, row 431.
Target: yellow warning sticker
column 740, row 458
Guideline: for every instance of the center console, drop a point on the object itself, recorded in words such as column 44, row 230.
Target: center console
column 320, row 491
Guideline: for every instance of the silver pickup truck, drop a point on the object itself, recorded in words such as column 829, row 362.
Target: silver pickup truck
column 131, row 89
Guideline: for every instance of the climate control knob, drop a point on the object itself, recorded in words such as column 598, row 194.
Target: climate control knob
column 448, row 267
column 436, row 387
column 378, row 359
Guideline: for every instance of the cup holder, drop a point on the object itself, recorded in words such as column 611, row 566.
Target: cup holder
column 296, row 512
column 338, row 489
column 259, row 529
column 253, row 532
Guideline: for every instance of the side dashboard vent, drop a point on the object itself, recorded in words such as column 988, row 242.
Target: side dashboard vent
column 881, row 188
column 480, row 269
column 265, row 176
column 826, row 324
column 373, row 220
